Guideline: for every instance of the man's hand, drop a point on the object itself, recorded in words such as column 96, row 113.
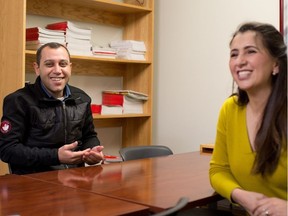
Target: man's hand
column 94, row 156
column 66, row 154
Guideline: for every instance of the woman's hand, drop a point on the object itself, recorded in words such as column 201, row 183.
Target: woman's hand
column 247, row 199
column 270, row 207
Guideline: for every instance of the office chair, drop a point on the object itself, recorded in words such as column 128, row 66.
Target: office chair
column 139, row 152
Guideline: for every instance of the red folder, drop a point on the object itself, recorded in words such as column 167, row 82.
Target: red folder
column 35, row 33
column 58, row 26
column 96, row 108
column 35, row 30
column 32, row 36
column 32, row 30
column 109, row 99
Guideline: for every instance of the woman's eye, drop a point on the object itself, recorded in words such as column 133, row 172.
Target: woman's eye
column 251, row 51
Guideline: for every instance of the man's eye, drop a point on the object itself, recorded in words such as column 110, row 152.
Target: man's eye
column 63, row 64
column 233, row 55
column 49, row 64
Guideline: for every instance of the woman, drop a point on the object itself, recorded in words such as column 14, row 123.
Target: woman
column 249, row 162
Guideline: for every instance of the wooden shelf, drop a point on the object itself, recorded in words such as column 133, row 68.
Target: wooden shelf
column 117, row 120
column 97, row 116
column 135, row 21
column 99, row 11
column 103, row 5
column 31, row 55
column 92, row 66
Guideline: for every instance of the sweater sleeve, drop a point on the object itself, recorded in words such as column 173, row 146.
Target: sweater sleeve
column 221, row 177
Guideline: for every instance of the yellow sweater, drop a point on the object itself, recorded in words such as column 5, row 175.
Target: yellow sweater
column 233, row 157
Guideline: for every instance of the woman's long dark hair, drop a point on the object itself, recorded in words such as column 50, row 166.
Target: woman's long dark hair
column 271, row 137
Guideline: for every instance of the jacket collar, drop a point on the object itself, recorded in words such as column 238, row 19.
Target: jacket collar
column 67, row 91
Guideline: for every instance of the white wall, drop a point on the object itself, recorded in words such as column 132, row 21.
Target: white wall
column 192, row 77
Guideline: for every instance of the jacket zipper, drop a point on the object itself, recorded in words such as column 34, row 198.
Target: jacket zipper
column 65, row 124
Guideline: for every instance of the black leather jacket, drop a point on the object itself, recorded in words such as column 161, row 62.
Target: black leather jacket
column 34, row 126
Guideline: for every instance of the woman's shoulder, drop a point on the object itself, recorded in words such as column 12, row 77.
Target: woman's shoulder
column 231, row 104
column 231, row 101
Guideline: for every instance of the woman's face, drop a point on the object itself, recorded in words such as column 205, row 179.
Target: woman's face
column 250, row 63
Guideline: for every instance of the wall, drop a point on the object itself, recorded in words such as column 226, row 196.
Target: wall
column 192, row 77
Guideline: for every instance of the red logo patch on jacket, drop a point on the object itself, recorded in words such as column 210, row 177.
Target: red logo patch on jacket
column 5, row 126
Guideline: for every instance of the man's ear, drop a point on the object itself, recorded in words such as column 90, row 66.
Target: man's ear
column 36, row 68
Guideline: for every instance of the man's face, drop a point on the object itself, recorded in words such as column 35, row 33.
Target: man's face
column 54, row 70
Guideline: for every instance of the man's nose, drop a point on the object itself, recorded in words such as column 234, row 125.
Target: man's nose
column 57, row 68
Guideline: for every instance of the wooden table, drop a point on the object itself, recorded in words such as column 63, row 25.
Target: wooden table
column 26, row 196
column 154, row 182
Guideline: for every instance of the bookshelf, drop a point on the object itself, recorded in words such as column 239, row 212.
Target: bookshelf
column 137, row 22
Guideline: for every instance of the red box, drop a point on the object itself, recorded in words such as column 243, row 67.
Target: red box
column 96, row 108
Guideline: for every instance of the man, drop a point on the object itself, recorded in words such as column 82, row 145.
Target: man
column 48, row 125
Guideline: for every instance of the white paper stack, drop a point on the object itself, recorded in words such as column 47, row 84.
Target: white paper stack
column 37, row 36
column 111, row 110
column 129, row 49
column 104, row 52
column 78, row 39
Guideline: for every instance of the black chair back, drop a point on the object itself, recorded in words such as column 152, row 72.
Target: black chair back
column 139, row 152
column 182, row 202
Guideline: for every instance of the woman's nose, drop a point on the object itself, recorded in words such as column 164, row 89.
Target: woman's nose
column 241, row 60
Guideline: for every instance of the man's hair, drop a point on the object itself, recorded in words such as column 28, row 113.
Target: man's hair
column 52, row 45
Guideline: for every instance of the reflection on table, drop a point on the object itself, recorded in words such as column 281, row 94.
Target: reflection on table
column 26, row 196
column 154, row 182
